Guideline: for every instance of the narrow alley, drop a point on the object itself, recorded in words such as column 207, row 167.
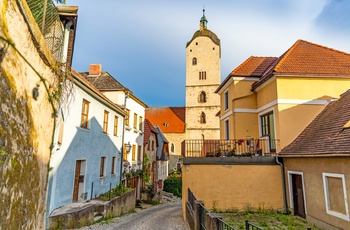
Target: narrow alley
column 165, row 216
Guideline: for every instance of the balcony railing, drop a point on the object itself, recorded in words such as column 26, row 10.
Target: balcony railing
column 229, row 148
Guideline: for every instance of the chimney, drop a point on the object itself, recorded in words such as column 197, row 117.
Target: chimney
column 95, row 69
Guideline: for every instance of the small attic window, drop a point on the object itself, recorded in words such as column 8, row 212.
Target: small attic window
column 196, row 43
column 347, row 125
column 213, row 48
column 166, row 124
column 190, row 50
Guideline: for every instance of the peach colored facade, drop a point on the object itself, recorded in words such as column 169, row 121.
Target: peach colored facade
column 226, row 187
column 286, row 97
column 314, row 171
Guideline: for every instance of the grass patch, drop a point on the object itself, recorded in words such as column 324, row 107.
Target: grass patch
column 117, row 191
column 267, row 220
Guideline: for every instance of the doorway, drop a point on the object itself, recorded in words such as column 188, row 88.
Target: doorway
column 297, row 194
column 79, row 180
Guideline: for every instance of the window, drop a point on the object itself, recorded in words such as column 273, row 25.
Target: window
column 202, row 75
column 152, row 145
column 148, row 145
column 226, row 101
column 127, row 118
column 115, row 130
column 125, row 154
column 194, row 61
column 135, row 121
column 133, row 152
column 102, row 166
column 335, row 195
column 172, row 147
column 140, row 123
column 61, row 129
column 227, row 129
column 268, row 129
column 85, row 114
column 105, row 122
column 139, row 150
column 202, row 97
column 202, row 118
column 113, row 166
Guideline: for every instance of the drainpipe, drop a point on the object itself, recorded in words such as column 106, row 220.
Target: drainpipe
column 122, row 149
column 285, row 206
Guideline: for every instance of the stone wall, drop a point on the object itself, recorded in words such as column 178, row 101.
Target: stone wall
column 26, row 124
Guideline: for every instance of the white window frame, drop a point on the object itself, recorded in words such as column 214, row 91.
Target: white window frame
column 326, row 196
column 290, row 188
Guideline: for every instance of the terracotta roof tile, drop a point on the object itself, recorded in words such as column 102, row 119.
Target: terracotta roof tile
column 170, row 119
column 306, row 58
column 252, row 67
column 148, row 129
column 326, row 133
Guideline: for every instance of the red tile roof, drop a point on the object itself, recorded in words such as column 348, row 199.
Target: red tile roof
column 252, row 67
column 148, row 129
column 326, row 134
column 170, row 119
column 306, row 58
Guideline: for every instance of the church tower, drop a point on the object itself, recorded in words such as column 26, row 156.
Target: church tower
column 203, row 56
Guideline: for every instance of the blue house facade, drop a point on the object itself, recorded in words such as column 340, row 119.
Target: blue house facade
column 86, row 159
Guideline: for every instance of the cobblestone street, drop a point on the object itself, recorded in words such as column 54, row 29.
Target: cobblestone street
column 165, row 216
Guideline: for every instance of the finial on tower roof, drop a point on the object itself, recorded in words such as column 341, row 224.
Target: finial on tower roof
column 204, row 21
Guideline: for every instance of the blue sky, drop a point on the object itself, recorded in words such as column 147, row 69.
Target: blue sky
column 143, row 43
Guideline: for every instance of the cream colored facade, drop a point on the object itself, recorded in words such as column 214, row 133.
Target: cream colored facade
column 294, row 101
column 202, row 77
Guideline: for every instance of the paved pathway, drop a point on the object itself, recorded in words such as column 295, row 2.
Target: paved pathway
column 166, row 216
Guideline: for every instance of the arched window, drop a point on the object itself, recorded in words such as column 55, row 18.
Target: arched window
column 202, row 119
column 202, row 97
column 194, row 61
column 202, row 75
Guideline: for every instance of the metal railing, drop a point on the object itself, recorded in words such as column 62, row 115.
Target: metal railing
column 222, row 225
column 250, row 226
column 47, row 17
column 191, row 198
column 229, row 148
column 203, row 217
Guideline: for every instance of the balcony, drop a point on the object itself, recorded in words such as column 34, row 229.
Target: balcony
column 263, row 146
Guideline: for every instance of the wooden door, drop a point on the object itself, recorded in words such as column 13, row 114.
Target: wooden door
column 298, row 195
column 76, row 181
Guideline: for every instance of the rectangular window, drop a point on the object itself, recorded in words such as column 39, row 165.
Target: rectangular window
column 133, row 152
column 226, row 101
column 140, row 123
column 85, row 114
column 127, row 118
column 268, row 129
column 202, row 75
column 125, row 154
column 105, row 122
column 227, row 129
column 149, row 145
column 115, row 130
column 113, row 166
column 139, row 149
column 335, row 195
column 102, row 166
column 152, row 145
column 135, row 121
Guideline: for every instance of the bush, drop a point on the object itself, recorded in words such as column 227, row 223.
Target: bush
column 174, row 186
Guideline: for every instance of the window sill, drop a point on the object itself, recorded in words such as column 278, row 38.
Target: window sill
column 127, row 128
column 113, row 174
column 102, row 177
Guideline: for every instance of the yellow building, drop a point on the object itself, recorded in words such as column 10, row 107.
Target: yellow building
column 276, row 98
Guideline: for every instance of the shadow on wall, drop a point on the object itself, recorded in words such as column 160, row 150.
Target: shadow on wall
column 75, row 166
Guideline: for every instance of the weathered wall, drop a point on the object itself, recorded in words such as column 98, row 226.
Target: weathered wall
column 312, row 170
column 228, row 186
column 26, row 125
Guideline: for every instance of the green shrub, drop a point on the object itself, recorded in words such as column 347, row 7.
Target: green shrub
column 174, row 186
